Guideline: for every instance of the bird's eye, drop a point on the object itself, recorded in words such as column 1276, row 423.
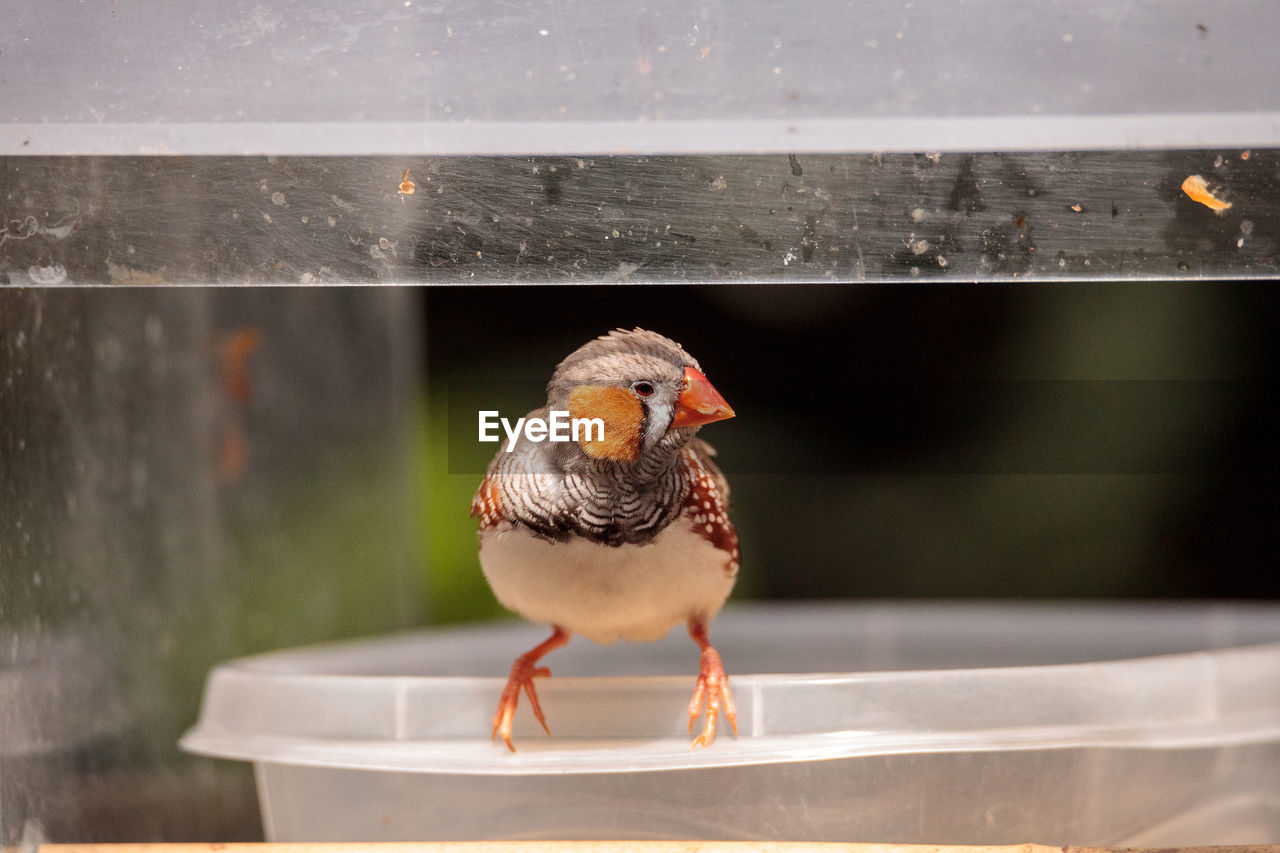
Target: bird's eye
column 643, row 389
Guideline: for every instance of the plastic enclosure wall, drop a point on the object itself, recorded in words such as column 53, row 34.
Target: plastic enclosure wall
column 659, row 77
column 186, row 475
column 762, row 218
column 664, row 142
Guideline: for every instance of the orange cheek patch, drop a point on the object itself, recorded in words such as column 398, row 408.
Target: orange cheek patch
column 621, row 413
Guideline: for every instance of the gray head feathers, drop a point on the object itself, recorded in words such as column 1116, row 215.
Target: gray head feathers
column 622, row 356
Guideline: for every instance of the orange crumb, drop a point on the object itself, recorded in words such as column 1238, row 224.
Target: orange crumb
column 1198, row 190
column 407, row 187
column 1244, row 155
column 1077, row 208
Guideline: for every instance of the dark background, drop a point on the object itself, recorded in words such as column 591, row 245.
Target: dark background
column 1046, row 441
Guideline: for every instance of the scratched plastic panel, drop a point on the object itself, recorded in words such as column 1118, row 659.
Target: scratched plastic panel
column 654, row 77
column 765, row 218
column 184, row 475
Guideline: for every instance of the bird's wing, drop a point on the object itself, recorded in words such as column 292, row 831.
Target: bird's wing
column 706, row 502
column 706, row 455
column 523, row 487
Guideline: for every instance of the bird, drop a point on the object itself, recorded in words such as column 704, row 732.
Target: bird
column 619, row 534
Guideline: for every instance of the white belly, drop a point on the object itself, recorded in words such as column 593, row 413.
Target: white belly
column 632, row 592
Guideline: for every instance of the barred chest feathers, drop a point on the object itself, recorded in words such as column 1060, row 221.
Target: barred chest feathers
column 632, row 590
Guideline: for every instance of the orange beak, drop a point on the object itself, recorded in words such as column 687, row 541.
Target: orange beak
column 699, row 403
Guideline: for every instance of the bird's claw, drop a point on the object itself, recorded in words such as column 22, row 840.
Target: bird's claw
column 522, row 675
column 711, row 692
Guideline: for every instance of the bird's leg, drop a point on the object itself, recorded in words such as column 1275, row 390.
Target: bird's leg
column 523, row 672
column 712, row 690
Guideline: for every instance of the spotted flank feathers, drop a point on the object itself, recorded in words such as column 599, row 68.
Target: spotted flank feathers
column 707, row 501
column 485, row 506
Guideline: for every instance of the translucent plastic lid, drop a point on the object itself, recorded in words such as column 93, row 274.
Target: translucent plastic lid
column 663, row 76
column 846, row 680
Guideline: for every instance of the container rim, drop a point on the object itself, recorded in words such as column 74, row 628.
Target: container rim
column 274, row 708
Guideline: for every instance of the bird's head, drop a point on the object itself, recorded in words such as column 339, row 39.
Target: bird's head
column 649, row 393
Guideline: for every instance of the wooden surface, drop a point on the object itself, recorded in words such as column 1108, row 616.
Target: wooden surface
column 608, row 847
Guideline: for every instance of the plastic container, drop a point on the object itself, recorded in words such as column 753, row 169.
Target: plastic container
column 1152, row 725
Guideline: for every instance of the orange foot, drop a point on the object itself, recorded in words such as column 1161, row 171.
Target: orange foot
column 523, row 672
column 712, row 690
